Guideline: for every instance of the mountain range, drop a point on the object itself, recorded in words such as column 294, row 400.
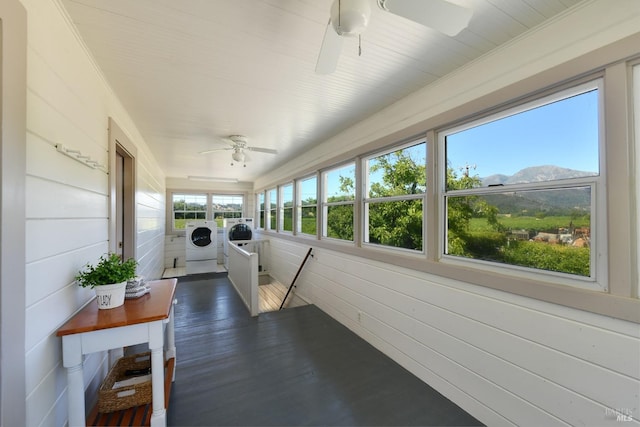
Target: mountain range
column 558, row 201
column 535, row 174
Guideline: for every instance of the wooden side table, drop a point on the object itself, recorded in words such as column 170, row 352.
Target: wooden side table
column 137, row 321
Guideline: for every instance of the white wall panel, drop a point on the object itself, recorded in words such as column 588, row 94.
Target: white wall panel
column 67, row 203
column 43, row 358
column 42, row 163
column 56, row 200
column 48, row 275
column 67, row 234
column 533, row 363
column 174, row 248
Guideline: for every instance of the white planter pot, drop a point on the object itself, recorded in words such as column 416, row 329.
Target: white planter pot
column 110, row 296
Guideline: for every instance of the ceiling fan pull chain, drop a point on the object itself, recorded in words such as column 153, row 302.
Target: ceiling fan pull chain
column 359, row 45
column 339, row 12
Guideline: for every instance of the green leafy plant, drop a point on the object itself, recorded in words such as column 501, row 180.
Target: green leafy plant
column 109, row 269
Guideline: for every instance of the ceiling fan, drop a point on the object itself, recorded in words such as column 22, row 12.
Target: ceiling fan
column 238, row 144
column 351, row 17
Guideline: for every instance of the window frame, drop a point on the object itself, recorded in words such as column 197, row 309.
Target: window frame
column 213, row 212
column 598, row 280
column 326, row 205
column 299, row 206
column 173, row 211
column 209, row 209
column 366, row 201
column 282, row 209
column 271, row 201
column 260, row 211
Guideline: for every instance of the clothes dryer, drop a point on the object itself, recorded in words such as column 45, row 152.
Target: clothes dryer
column 235, row 229
column 201, row 247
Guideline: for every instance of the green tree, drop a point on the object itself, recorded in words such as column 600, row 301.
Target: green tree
column 460, row 210
column 340, row 217
column 397, row 223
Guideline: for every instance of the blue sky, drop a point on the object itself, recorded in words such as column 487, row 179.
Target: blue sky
column 564, row 134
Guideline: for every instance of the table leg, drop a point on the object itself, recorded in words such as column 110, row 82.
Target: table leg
column 76, row 396
column 171, row 340
column 156, row 345
column 72, row 360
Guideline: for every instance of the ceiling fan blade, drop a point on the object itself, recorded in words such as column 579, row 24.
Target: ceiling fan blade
column 263, row 150
column 448, row 18
column 214, row 150
column 329, row 51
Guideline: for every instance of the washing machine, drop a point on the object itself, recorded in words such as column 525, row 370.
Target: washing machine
column 235, row 229
column 201, row 247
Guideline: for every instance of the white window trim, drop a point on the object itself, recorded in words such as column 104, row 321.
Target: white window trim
column 281, row 207
column 298, row 205
column 260, row 211
column 179, row 231
column 268, row 196
column 325, row 205
column 214, row 194
column 209, row 208
column 598, row 281
column 367, row 201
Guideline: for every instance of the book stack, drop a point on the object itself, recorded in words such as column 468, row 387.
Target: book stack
column 136, row 288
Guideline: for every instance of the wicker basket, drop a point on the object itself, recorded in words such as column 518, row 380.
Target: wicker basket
column 110, row 399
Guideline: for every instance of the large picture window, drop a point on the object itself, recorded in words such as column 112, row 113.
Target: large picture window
column 393, row 203
column 338, row 202
column 307, row 206
column 520, row 186
column 188, row 207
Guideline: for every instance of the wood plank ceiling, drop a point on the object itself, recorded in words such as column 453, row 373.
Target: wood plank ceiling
column 193, row 72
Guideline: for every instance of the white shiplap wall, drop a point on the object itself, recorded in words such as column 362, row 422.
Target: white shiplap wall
column 69, row 102
column 506, row 359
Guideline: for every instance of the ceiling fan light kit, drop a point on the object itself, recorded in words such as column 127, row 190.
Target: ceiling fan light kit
column 238, row 146
column 238, row 155
column 351, row 17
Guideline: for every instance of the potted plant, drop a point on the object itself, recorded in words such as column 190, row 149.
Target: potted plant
column 108, row 278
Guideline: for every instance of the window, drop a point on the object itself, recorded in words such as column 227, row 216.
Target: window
column 226, row 206
column 261, row 213
column 203, row 206
column 188, row 207
column 394, row 197
column 286, row 207
column 307, row 206
column 338, row 202
column 520, row 186
column 271, row 199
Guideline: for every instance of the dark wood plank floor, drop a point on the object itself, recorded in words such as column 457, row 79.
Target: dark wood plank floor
column 289, row 368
